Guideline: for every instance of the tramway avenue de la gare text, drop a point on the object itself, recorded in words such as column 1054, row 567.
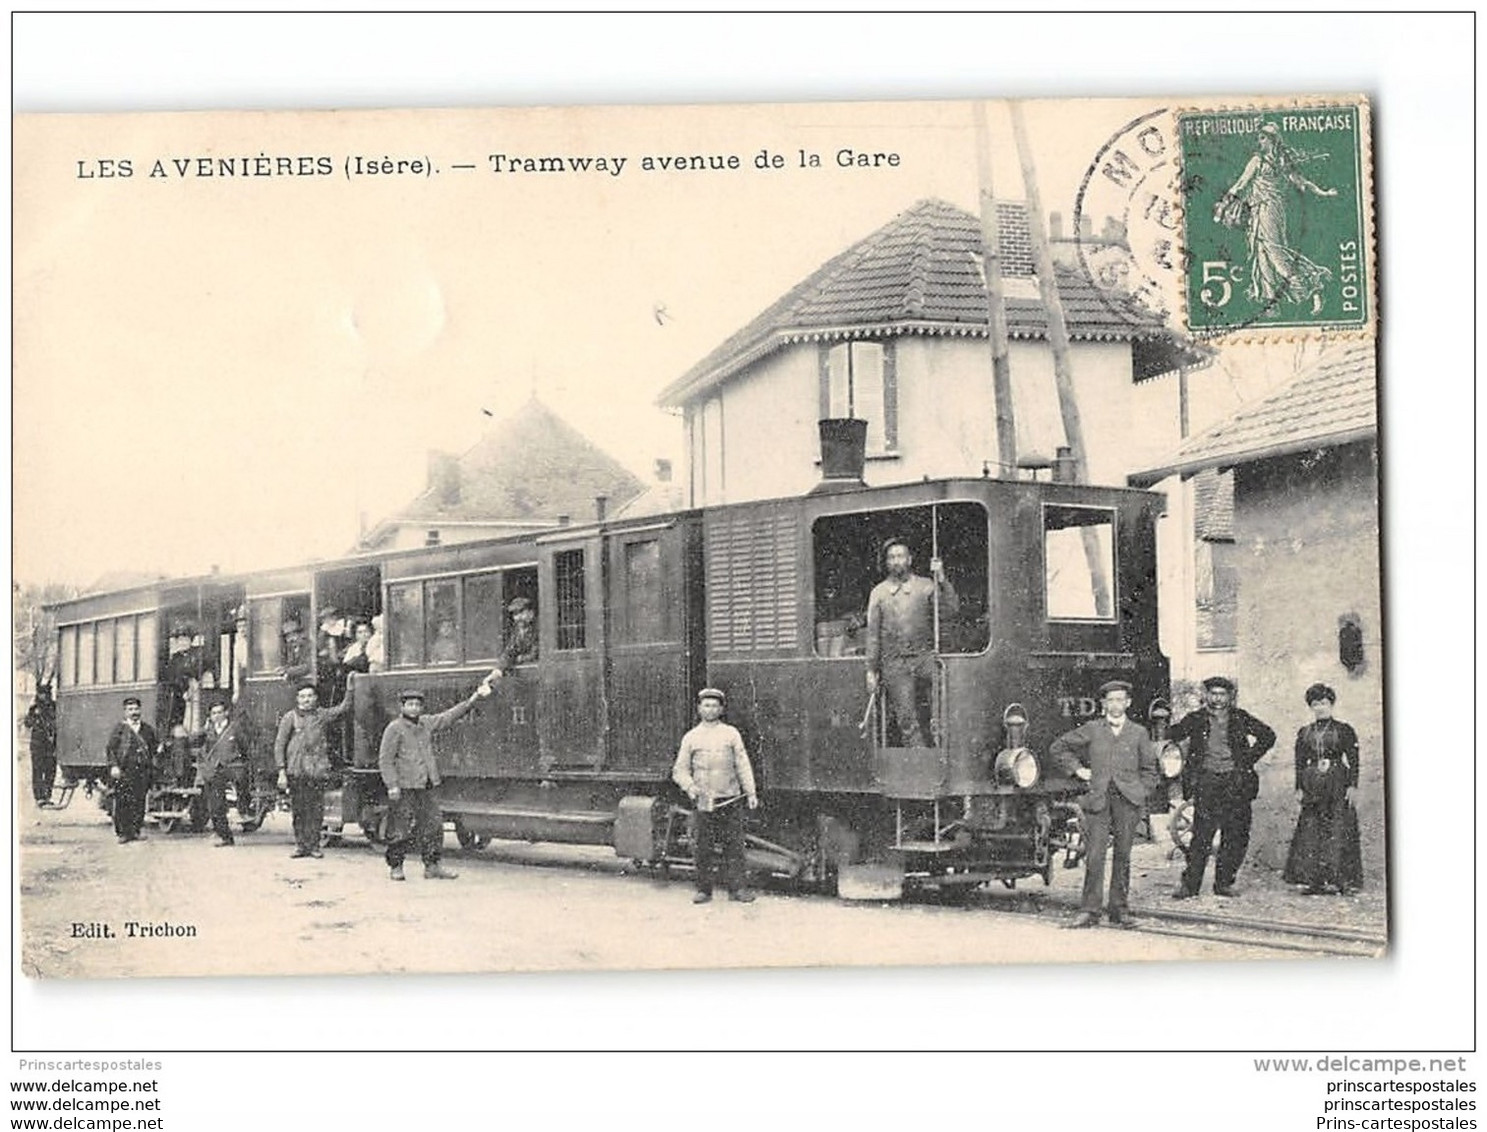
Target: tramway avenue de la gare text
column 254, row 166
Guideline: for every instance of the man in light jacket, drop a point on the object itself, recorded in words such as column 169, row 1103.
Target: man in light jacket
column 406, row 760
column 713, row 769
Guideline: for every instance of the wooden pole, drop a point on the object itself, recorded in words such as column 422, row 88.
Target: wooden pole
column 991, row 278
column 1058, row 330
column 1058, row 341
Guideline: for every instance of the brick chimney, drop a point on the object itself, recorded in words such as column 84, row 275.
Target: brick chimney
column 663, row 471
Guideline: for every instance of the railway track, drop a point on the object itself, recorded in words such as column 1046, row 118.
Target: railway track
column 1243, row 931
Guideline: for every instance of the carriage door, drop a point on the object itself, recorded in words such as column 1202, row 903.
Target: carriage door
column 650, row 681
column 570, row 618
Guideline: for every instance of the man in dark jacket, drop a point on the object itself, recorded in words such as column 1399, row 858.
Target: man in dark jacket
column 1116, row 757
column 41, row 720
column 302, row 754
column 225, row 758
column 411, row 774
column 1223, row 744
column 131, row 750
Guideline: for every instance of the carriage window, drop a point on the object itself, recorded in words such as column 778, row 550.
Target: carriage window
column 405, row 623
column 67, row 657
column 644, row 618
column 145, row 662
column 105, row 649
column 1079, row 563
column 85, row 654
column 124, row 650
column 268, row 639
column 569, row 575
column 849, row 561
column 484, row 611
column 441, row 605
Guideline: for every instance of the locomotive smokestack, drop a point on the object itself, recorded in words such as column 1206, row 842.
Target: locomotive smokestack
column 601, row 507
column 843, row 454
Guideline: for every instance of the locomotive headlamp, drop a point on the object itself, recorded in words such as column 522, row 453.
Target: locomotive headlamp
column 1170, row 759
column 1016, row 767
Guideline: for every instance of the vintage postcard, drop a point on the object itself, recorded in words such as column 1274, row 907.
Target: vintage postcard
column 625, row 538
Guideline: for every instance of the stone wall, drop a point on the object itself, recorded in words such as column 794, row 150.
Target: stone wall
column 1308, row 556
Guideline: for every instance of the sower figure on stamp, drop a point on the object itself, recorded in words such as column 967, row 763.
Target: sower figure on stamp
column 302, row 755
column 131, row 754
column 225, row 758
column 901, row 640
column 1218, row 774
column 41, row 721
column 406, row 760
column 713, row 768
column 1118, row 760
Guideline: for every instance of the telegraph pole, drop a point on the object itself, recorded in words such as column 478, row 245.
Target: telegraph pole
column 991, row 278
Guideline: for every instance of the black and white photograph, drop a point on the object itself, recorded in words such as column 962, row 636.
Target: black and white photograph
column 763, row 533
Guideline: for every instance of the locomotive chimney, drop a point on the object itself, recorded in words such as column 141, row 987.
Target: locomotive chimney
column 601, row 507
column 843, row 454
column 1063, row 465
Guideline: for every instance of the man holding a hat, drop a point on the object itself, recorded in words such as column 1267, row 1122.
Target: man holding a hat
column 1223, row 744
column 1118, row 760
column 406, row 760
column 713, row 769
column 131, row 752
column 302, row 754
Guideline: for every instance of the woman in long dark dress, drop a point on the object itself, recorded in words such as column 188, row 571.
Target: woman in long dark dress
column 1325, row 851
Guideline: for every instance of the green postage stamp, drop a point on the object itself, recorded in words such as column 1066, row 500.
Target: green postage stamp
column 1274, row 218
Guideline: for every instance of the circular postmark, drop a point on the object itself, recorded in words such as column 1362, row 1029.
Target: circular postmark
column 1128, row 221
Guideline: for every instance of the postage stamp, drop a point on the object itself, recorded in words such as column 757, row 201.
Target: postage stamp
column 1274, row 218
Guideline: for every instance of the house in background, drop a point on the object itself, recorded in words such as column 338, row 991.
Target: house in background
column 529, row 472
column 1305, row 571
column 894, row 330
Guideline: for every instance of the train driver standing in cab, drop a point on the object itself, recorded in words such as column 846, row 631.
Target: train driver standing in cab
column 521, row 642
column 901, row 639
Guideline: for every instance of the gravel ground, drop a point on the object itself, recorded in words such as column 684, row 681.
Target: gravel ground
column 516, row 908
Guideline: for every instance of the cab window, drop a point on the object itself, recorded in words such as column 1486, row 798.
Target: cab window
column 848, row 553
column 1079, row 563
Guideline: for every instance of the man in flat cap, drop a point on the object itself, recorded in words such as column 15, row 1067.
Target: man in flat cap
column 411, row 774
column 521, row 642
column 901, row 639
column 713, row 768
column 1223, row 744
column 131, row 750
column 1118, row 760
column 302, row 755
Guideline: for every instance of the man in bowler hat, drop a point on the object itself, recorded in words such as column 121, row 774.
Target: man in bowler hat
column 1117, row 759
column 1223, row 744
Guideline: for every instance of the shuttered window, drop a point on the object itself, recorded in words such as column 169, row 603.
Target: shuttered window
column 752, row 581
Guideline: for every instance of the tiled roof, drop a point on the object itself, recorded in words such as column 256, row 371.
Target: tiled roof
column 1213, row 505
column 532, row 466
column 1334, row 401
column 921, row 274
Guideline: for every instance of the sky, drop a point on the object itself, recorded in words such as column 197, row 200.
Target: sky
column 229, row 370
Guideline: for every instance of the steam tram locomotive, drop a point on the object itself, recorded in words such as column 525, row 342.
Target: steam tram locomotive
column 764, row 600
